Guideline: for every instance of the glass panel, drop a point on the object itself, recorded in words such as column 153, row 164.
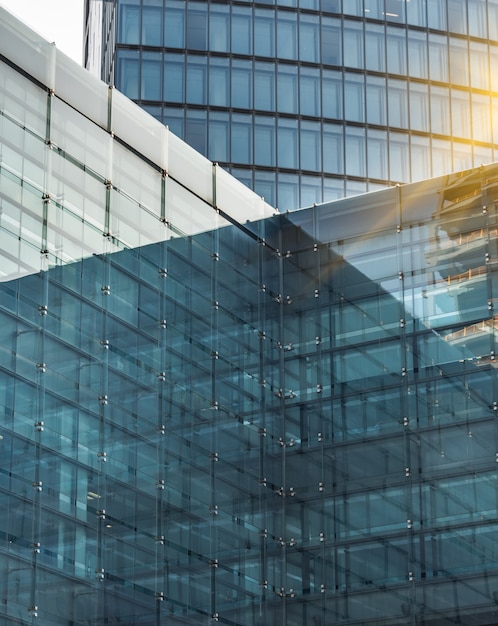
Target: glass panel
column 288, row 144
column 197, row 26
column 331, row 33
column 460, row 113
column 459, row 62
column 355, row 152
column 286, row 35
column 264, row 141
column 129, row 22
column 174, row 77
column 353, row 45
column 333, row 149
column 421, row 158
column 417, row 54
column 493, row 20
column 332, row 94
column 481, row 120
column 376, row 98
column 219, row 82
column 309, row 39
column 377, row 155
column 457, row 16
column 218, row 147
column 399, row 158
column 311, row 148
column 128, row 72
column 287, row 94
column 241, row 30
column 264, row 86
column 441, row 157
column 241, row 130
column 311, row 191
column 309, row 91
column 264, row 33
column 242, row 77
column 440, row 111
column 288, row 192
column 354, row 98
column 438, row 57
column 436, row 15
column 396, row 51
column 174, row 24
column 416, row 12
column 152, row 65
column 152, row 20
column 375, row 50
column 479, row 66
column 197, row 80
column 196, row 130
column 419, row 107
column 477, row 18
column 219, row 28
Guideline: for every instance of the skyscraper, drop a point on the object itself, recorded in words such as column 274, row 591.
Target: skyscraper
column 212, row 413
column 309, row 100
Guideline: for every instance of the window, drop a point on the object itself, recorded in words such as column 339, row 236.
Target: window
column 460, row 113
column 241, row 139
column 419, row 107
column 174, row 24
column 129, row 22
column 152, row 69
column 311, row 150
column 241, row 30
column 354, row 98
column 333, row 149
column 355, row 152
column 286, row 35
column 287, row 79
column 416, row 12
column 219, row 28
column 377, row 155
column 242, row 84
column 196, row 80
column 264, row 86
column 440, row 110
column 332, row 94
column 174, row 77
column 219, row 82
column 376, row 99
column 459, row 66
column 417, row 54
column 264, row 33
column 264, row 140
column 218, row 145
column 353, row 45
column 331, row 41
column 375, row 52
column 396, row 51
column 309, row 38
column 152, row 21
column 309, row 91
column 197, row 26
column 128, row 72
column 438, row 57
column 287, row 143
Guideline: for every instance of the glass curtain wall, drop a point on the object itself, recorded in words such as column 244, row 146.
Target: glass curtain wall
column 359, row 66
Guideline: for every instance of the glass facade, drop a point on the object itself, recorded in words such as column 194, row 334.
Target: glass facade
column 207, row 417
column 345, row 96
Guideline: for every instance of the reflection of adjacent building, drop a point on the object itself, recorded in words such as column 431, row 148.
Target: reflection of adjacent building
column 463, row 248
